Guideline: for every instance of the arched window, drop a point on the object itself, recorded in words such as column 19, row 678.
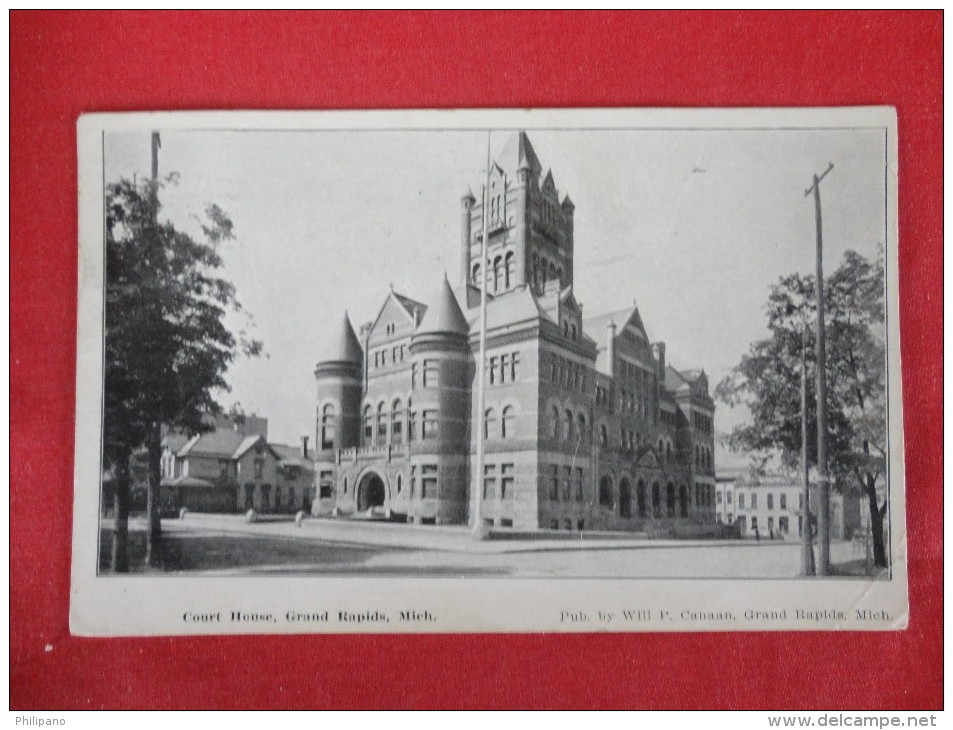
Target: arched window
column 381, row 424
column 508, row 423
column 670, row 499
column 605, row 492
column 400, row 483
column 565, row 328
column 603, row 436
column 510, row 268
column 668, row 451
column 327, row 427
column 581, row 421
column 567, row 426
column 477, row 272
column 572, row 331
column 397, row 422
column 625, row 499
column 640, row 498
column 368, row 425
column 656, row 501
column 683, row 501
column 411, row 421
column 554, row 422
column 489, row 424
column 497, row 273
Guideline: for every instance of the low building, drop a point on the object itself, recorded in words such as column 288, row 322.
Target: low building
column 233, row 468
column 771, row 506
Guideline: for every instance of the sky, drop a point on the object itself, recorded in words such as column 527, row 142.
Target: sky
column 692, row 225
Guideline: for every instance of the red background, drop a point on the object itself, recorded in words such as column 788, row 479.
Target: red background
column 64, row 64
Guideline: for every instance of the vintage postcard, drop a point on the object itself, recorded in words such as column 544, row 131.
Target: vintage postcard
column 488, row 371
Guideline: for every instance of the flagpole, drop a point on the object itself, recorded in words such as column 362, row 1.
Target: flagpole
column 478, row 529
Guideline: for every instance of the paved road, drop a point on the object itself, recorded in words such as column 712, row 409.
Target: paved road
column 205, row 546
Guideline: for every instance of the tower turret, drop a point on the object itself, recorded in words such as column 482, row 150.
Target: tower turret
column 338, row 377
column 441, row 400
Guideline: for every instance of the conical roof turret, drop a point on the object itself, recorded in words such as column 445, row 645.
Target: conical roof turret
column 343, row 345
column 443, row 314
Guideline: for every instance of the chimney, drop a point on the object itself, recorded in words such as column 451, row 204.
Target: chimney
column 659, row 349
column 610, row 347
column 304, row 446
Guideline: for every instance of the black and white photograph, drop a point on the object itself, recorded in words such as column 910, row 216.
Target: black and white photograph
column 549, row 370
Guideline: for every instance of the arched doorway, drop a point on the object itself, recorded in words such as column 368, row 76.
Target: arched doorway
column 625, row 499
column 370, row 492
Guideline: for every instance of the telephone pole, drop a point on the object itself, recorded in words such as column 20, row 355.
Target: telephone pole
column 823, row 480
column 807, row 537
column 478, row 530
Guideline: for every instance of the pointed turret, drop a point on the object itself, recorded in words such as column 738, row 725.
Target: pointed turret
column 568, row 205
column 549, row 184
column 518, row 154
column 444, row 315
column 343, row 345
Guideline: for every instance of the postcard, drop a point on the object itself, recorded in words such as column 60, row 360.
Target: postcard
column 554, row 370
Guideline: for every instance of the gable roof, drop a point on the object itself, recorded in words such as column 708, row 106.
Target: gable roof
column 291, row 456
column 221, row 442
column 410, row 308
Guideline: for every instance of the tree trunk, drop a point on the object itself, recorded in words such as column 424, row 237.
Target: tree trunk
column 154, row 528
column 119, row 559
column 876, row 522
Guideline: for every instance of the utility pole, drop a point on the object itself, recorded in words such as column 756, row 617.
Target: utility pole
column 154, row 437
column 823, row 479
column 478, row 530
column 807, row 538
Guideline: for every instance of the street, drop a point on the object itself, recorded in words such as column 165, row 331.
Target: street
column 225, row 545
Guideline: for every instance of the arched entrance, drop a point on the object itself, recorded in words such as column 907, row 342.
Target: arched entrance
column 370, row 492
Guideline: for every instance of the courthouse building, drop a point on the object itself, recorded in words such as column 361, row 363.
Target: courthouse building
column 587, row 426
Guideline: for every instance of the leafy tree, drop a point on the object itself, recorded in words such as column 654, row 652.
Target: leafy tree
column 166, row 343
column 768, row 379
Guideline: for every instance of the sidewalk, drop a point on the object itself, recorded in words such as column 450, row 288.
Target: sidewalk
column 455, row 539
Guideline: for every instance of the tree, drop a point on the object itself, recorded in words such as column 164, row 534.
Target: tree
column 167, row 347
column 767, row 380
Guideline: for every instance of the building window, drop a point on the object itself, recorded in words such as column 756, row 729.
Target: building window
column 428, row 480
column 497, row 273
column 718, row 498
column 510, row 268
column 784, row 501
column 396, row 422
column 400, row 483
column 508, row 423
column 259, row 468
column 770, row 501
column 223, row 468
column 477, row 271
column 728, row 498
column 431, row 374
column 754, row 524
column 741, row 501
column 554, row 422
column 368, row 425
column 489, row 481
column 783, row 525
column 640, row 498
column 567, row 484
column 582, row 426
column 327, row 427
column 754, row 501
column 554, row 484
column 413, row 480
column 605, row 492
column 656, row 501
column 567, row 425
column 771, row 526
column 603, row 436
column 578, row 483
column 381, row 424
column 489, row 424
column 507, row 481
column 411, row 422
column 514, row 367
column 430, row 430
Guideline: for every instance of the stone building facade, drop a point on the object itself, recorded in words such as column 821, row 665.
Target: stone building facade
column 587, row 426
